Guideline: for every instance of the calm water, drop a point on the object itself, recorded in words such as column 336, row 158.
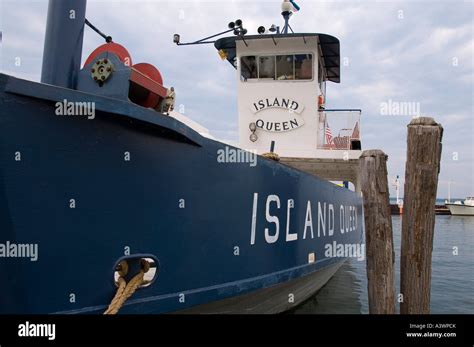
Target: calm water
column 452, row 288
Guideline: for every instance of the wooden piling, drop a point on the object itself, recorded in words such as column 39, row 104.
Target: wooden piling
column 378, row 232
column 421, row 183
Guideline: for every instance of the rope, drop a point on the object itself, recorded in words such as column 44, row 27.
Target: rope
column 126, row 290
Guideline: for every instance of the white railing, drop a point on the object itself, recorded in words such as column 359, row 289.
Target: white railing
column 339, row 129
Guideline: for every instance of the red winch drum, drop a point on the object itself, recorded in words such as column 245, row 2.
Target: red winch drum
column 112, row 47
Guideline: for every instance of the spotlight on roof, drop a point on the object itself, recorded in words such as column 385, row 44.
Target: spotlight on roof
column 231, row 25
column 261, row 30
column 176, row 38
column 273, row 28
column 238, row 22
column 243, row 31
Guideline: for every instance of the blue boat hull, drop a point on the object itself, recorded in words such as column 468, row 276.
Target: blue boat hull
column 204, row 221
column 277, row 298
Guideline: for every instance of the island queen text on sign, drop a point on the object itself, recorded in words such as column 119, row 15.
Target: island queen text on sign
column 293, row 107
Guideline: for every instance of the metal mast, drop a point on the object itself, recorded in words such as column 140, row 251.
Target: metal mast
column 63, row 42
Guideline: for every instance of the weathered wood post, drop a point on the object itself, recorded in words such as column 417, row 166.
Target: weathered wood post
column 421, row 183
column 378, row 232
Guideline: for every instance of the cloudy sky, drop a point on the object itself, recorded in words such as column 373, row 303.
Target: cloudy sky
column 403, row 51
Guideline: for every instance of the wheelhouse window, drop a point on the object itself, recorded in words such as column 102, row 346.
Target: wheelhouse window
column 285, row 67
column 304, row 66
column 266, row 67
column 277, row 67
column 248, row 67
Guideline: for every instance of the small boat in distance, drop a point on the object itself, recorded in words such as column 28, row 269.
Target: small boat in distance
column 460, row 208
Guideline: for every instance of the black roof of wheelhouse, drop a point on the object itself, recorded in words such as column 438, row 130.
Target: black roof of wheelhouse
column 329, row 48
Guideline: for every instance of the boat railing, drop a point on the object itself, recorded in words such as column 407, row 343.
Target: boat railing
column 339, row 129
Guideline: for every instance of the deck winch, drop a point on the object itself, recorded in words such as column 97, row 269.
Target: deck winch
column 109, row 71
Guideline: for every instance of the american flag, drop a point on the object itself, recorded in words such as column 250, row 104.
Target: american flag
column 328, row 134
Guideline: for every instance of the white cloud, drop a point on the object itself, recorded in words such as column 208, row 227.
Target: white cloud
column 390, row 58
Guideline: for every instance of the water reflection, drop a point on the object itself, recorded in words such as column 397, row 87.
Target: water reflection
column 342, row 294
